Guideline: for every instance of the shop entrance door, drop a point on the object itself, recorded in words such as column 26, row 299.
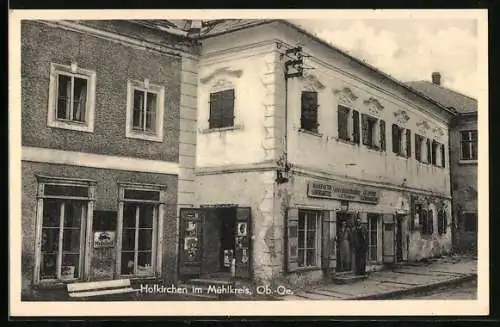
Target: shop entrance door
column 227, row 222
column 399, row 239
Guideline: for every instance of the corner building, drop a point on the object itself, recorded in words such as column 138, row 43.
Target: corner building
column 282, row 161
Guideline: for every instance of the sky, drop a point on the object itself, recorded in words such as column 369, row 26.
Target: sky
column 409, row 49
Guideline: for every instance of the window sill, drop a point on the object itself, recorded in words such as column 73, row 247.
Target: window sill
column 346, row 141
column 75, row 126
column 373, row 148
column 144, row 136
column 305, row 131
column 402, row 156
column 221, row 129
column 467, row 162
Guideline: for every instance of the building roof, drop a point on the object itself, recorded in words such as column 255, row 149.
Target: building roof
column 462, row 103
column 231, row 25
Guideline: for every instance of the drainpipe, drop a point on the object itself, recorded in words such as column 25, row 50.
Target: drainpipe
column 452, row 203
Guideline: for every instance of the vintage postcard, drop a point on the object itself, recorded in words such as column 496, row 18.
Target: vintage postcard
column 199, row 163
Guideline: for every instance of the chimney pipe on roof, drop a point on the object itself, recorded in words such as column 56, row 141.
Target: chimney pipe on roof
column 436, row 78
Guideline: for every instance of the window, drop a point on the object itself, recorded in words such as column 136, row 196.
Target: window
column 140, row 210
column 221, row 109
column 443, row 156
column 63, row 208
column 372, row 237
column 71, row 98
column 435, row 147
column 418, row 147
column 308, row 238
column 470, row 221
column 309, row 111
column 428, row 150
column 398, row 140
column 468, row 145
column 442, row 222
column 372, row 132
column 145, row 111
column 348, row 124
column 408, row 143
column 426, row 220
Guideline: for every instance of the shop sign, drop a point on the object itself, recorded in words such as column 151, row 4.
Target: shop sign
column 104, row 239
column 340, row 191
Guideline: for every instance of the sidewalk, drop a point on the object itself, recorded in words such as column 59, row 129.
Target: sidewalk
column 387, row 284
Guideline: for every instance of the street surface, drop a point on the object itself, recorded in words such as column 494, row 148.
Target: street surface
column 467, row 291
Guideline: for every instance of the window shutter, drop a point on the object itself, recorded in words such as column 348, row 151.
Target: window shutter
column 395, row 139
column 309, row 108
column 429, row 151
column 228, row 108
column 382, row 135
column 292, row 239
column 364, row 124
column 215, row 110
column 355, row 130
column 443, row 156
column 408, row 143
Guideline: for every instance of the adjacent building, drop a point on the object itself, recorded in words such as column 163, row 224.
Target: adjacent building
column 463, row 159
column 108, row 119
column 292, row 141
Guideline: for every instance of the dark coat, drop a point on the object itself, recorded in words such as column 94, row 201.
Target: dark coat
column 360, row 238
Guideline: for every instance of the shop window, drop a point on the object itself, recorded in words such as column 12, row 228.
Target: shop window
column 71, row 98
column 442, row 222
column 308, row 238
column 63, row 208
column 145, row 111
column 140, row 213
column 309, row 111
column 372, row 237
column 470, row 221
column 221, row 109
column 426, row 222
column 468, row 145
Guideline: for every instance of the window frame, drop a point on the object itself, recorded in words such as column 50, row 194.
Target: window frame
column 303, row 213
column 470, row 144
column 85, row 225
column 375, row 246
column 402, row 142
column 71, row 71
column 376, row 133
column 147, row 87
column 316, row 106
column 157, row 227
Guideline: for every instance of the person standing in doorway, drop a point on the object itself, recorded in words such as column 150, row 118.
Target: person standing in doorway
column 344, row 246
column 360, row 246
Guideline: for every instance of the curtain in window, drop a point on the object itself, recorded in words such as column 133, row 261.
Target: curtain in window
column 151, row 111
column 80, row 99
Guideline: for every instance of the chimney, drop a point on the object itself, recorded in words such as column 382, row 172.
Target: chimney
column 436, row 78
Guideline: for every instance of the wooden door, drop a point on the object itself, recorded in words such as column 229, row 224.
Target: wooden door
column 243, row 237
column 389, row 238
column 190, row 241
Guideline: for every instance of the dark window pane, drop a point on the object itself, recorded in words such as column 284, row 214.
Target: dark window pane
column 311, row 240
column 137, row 119
column 343, row 120
column 70, row 266
column 301, row 239
column 50, row 240
column 473, row 135
column 151, row 111
column 474, row 151
column 65, row 190
column 80, row 99
column 128, row 240
column 142, row 195
column 302, row 220
column 466, row 151
column 146, row 215
column 71, row 240
column 311, row 221
column 129, row 214
column 145, row 239
column 144, row 259
column 127, row 263
column 51, row 213
column 73, row 213
column 311, row 257
column 300, row 259
column 48, row 266
column 64, row 97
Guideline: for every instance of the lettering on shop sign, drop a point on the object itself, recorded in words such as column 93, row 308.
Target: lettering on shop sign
column 341, row 192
